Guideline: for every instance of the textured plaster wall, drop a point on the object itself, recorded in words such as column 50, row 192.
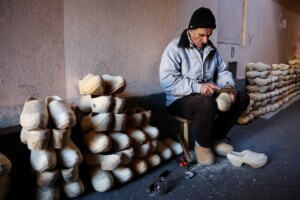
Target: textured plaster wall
column 31, row 54
column 268, row 40
column 47, row 46
column 122, row 37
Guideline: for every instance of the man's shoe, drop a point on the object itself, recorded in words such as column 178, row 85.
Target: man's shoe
column 222, row 148
column 205, row 156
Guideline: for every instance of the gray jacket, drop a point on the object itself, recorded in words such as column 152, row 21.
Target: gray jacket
column 182, row 70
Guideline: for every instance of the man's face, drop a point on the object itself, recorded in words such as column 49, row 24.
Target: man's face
column 200, row 36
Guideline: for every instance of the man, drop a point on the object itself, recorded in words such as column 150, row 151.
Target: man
column 191, row 70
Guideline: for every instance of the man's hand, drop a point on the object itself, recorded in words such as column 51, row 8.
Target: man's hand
column 208, row 88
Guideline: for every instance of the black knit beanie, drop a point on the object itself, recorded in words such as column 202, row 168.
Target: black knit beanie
column 202, row 18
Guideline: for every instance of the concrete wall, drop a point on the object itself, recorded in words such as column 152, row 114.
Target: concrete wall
column 47, row 46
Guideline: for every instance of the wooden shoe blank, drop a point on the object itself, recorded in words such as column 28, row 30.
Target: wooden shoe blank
column 258, row 67
column 69, row 156
column 254, row 74
column 120, row 141
column 45, row 193
column 137, row 136
column 146, row 115
column 5, row 165
column 122, row 174
column 255, row 88
column 91, row 84
column 139, row 166
column 262, row 82
column 153, row 160
column 47, row 178
column 127, row 156
column 174, row 146
column 101, row 104
column 61, row 114
column 85, row 103
column 223, row 102
column 142, row 150
column 153, row 145
column 73, row 189
column 279, row 72
column 164, row 151
column 118, row 123
column 60, row 138
column 70, row 175
column 280, row 66
column 97, row 142
column 34, row 114
column 118, row 105
column 134, row 119
column 107, row 162
column 86, row 123
column 42, row 160
column 37, row 139
column 23, row 135
column 150, row 131
column 113, row 84
column 255, row 160
column 245, row 118
column 102, row 121
column 101, row 180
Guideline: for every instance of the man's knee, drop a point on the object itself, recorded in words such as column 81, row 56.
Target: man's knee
column 244, row 98
column 208, row 104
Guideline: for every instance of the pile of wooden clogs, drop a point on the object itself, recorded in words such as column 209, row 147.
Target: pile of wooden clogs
column 46, row 129
column 269, row 87
column 120, row 143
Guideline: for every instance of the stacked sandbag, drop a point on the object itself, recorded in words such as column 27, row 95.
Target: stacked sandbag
column 269, row 87
column 46, row 129
column 5, row 167
column 103, row 123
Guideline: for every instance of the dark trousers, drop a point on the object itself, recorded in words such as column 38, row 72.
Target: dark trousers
column 209, row 123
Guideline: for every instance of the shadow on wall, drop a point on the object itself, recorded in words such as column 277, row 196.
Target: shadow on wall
column 161, row 119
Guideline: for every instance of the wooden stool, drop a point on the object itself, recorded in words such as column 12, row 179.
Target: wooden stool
column 184, row 130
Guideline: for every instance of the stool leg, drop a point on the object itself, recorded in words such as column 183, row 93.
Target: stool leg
column 186, row 136
column 187, row 154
